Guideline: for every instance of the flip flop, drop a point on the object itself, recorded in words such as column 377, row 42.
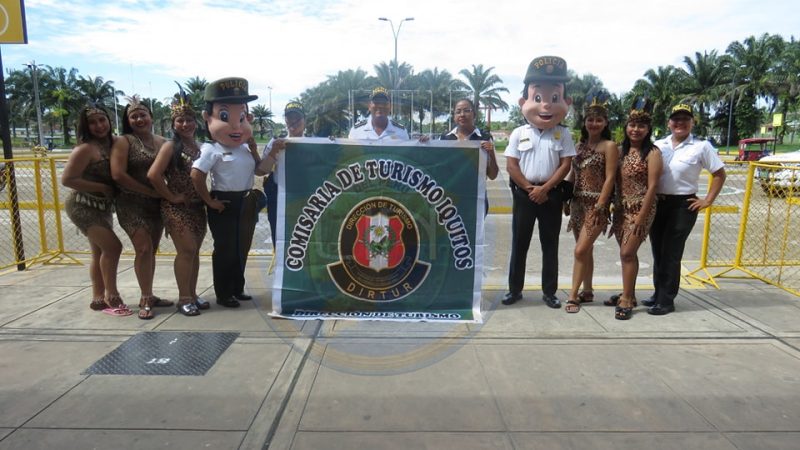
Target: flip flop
column 119, row 311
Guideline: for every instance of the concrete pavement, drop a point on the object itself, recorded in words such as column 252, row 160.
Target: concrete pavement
column 723, row 372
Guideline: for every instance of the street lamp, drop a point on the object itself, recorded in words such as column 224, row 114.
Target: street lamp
column 730, row 109
column 270, row 98
column 32, row 65
column 395, row 34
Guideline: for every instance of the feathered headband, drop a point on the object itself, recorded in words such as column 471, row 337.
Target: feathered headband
column 641, row 111
column 181, row 106
column 134, row 102
column 93, row 107
column 596, row 102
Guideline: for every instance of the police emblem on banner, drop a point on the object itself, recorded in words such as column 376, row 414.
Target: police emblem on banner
column 378, row 252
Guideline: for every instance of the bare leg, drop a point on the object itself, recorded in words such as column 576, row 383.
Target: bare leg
column 630, row 267
column 98, row 287
column 144, row 261
column 185, row 265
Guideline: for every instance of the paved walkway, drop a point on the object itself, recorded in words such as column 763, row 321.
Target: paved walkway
column 723, row 372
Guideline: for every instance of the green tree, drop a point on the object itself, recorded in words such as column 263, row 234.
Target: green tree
column 786, row 77
column 263, row 119
column 485, row 87
column 19, row 91
column 440, row 83
column 661, row 85
column 578, row 87
column 703, row 76
column 63, row 96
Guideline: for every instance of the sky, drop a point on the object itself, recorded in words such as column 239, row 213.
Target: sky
column 286, row 46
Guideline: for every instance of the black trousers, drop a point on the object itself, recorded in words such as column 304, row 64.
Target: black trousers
column 271, row 191
column 671, row 227
column 232, row 230
column 525, row 215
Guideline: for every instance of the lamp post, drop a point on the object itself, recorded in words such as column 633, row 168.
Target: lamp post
column 270, row 98
column 396, row 67
column 730, row 109
column 32, row 65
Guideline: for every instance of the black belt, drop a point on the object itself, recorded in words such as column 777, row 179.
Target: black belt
column 230, row 195
column 676, row 197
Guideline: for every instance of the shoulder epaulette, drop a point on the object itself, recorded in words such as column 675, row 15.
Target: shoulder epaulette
column 360, row 123
column 397, row 124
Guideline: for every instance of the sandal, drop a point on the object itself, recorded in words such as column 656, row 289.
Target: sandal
column 613, row 300
column 98, row 304
column 201, row 304
column 116, row 307
column 161, row 303
column 188, row 309
column 146, row 308
column 573, row 306
column 586, row 296
column 624, row 312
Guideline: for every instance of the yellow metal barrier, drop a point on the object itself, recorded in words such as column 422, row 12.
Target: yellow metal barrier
column 752, row 229
column 31, row 191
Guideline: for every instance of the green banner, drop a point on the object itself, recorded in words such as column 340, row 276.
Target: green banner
column 372, row 231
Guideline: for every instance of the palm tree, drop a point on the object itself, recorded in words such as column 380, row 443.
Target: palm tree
column 750, row 64
column 63, row 95
column 484, row 87
column 578, row 87
column 440, row 84
column 704, row 75
column 19, row 90
column 195, row 87
column 263, row 117
column 96, row 89
column 661, row 86
column 390, row 78
column 787, row 79
column 754, row 59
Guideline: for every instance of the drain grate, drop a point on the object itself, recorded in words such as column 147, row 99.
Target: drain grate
column 164, row 353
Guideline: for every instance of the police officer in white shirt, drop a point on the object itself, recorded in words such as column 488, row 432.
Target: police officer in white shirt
column 684, row 157
column 378, row 125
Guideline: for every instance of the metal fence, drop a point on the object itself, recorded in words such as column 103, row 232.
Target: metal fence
column 35, row 229
column 752, row 230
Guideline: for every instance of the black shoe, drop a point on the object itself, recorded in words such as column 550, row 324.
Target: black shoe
column 242, row 296
column 229, row 302
column 649, row 302
column 510, row 298
column 661, row 310
column 551, row 300
column 613, row 300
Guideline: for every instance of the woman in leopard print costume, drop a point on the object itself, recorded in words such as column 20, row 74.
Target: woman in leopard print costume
column 181, row 208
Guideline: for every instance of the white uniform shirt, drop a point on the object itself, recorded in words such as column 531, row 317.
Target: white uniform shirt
column 367, row 131
column 682, row 164
column 539, row 152
column 231, row 169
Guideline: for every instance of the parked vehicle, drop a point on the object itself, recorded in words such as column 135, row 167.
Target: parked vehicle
column 753, row 149
column 783, row 181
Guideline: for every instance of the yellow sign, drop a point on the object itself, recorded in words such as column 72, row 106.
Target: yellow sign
column 777, row 120
column 763, row 130
column 12, row 22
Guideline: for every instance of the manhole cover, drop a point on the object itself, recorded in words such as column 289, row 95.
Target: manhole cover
column 164, row 353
